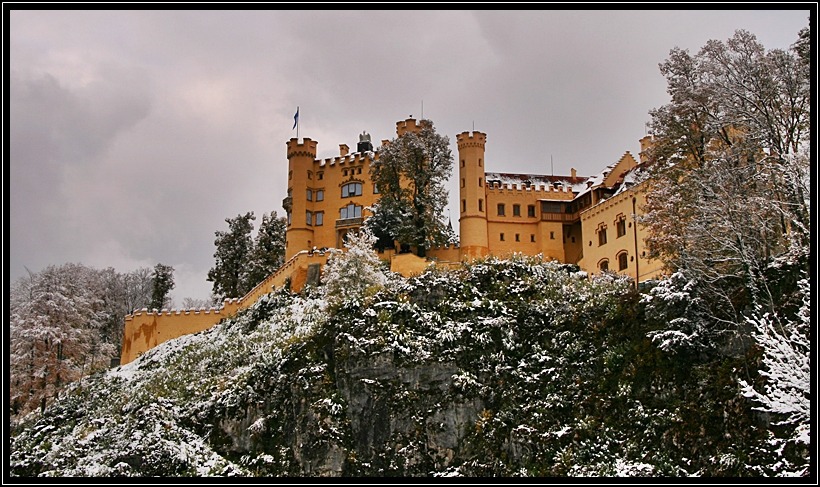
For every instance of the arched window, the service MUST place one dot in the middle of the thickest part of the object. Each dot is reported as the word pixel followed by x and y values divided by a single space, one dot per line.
pixel 623 261
pixel 603 265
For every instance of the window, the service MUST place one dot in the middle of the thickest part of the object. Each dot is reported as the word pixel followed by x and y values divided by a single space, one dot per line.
pixel 501 209
pixel 622 261
pixel 603 265
pixel 462 163
pixel 350 211
pixel 320 195
pixel 358 170
pixel 480 182
pixel 310 195
pixel 310 174
pixel 531 211
pixel 463 206
pixel 289 218
pixel 319 218
pixel 532 237
pixel 463 182
pixel 480 205
pixel 516 210
pixel 552 235
pixel 351 189
pixel 320 175
pixel 601 235
pixel 517 237
pixel 620 226
pixel 375 188
pixel 309 218
pixel 479 163
pixel 501 237
pixel 290 174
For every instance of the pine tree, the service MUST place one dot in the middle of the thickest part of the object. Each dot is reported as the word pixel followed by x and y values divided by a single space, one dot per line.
pixel 411 173
pixel 233 251
pixel 269 248
pixel 162 283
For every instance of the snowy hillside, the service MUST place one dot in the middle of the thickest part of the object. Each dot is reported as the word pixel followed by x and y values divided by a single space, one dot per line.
pixel 502 368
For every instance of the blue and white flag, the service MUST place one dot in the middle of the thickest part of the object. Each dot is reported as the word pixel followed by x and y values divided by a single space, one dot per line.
pixel 296 118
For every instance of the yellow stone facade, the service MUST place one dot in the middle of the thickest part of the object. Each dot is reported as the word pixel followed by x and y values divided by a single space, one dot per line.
pixel 588 221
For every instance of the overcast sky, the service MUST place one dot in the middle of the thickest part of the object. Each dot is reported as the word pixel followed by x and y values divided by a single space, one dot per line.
pixel 134 134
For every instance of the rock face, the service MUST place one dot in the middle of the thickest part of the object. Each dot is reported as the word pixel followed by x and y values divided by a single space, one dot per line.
pixel 376 418
pixel 405 418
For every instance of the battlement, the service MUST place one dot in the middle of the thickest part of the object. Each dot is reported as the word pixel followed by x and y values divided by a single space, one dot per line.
pixel 546 189
pixel 471 139
pixel 306 149
pixel 410 126
pixel 228 303
pixel 355 158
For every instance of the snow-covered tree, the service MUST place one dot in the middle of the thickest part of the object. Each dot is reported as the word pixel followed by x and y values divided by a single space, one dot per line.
pixel 55 324
pixel 786 390
pixel 729 180
pixel 411 174
pixel 163 282
pixel 268 249
pixel 233 251
pixel 350 273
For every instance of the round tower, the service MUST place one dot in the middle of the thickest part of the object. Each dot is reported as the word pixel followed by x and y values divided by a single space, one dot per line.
pixel 472 196
pixel 300 174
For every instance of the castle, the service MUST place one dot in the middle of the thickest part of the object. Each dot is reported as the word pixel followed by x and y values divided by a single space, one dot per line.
pixel 587 221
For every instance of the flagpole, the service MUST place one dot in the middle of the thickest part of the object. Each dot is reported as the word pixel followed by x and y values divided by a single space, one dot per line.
pixel 297 124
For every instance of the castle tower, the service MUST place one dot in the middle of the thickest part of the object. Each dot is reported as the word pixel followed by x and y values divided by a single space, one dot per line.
pixel 299 234
pixel 472 195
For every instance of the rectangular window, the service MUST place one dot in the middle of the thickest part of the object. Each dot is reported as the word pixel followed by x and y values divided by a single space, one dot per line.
pixel 532 237
pixel 501 209
pixel 552 235
pixel 516 210
pixel 463 182
pixel 320 175
pixel 320 195
pixel 501 237
pixel 480 182
pixel 375 188
pixel 310 195
pixel 517 237
pixel 531 211
pixel 480 205
pixel 463 206
pixel 309 218
pixel 620 227
pixel 601 236
pixel 319 218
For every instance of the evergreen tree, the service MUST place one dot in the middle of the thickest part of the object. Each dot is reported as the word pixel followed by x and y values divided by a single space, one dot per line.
pixel 269 248
pixel 162 283
pixel 233 251
pixel 411 173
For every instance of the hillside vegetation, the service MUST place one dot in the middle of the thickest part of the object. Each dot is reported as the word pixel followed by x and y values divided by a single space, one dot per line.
pixel 500 368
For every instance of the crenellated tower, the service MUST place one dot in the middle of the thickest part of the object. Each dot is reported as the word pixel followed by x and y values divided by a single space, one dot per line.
pixel 472 198
pixel 300 173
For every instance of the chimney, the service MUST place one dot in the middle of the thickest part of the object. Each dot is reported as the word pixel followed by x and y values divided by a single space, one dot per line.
pixel 574 174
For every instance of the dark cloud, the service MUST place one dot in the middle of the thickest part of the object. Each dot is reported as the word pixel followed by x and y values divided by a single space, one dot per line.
pixel 134 134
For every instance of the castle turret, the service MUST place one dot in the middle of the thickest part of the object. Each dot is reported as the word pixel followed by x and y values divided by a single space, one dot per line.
pixel 473 205
pixel 300 175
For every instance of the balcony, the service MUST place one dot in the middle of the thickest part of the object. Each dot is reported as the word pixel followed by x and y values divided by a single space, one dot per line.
pixel 349 222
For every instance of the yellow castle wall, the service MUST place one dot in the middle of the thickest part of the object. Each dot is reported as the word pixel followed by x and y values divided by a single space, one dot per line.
pixel 626 205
